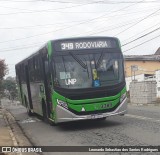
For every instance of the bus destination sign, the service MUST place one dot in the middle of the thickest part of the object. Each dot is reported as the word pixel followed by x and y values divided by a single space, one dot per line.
pixel 87 44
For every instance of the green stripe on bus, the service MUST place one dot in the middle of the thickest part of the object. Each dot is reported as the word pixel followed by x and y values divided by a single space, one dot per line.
pixel 49 49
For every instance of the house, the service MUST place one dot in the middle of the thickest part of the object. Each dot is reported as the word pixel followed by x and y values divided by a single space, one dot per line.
pixel 142 64
pixel 143 68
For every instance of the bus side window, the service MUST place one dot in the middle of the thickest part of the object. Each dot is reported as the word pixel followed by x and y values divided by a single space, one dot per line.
pixel 22 73
pixel 47 72
pixel 37 70
pixel 46 67
pixel 31 70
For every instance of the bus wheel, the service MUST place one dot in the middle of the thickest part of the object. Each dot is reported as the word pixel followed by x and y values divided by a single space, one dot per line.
pixel 28 109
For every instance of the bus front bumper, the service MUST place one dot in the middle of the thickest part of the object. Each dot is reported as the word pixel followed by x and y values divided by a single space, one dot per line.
pixel 63 115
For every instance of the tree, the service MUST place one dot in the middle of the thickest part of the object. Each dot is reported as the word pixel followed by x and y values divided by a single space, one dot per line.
pixel 3 69
pixel 10 88
pixel 3 72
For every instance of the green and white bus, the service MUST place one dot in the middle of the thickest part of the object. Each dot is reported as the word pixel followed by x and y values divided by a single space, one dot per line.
pixel 74 79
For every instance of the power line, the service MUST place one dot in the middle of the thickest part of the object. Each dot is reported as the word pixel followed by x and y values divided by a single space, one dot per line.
pixel 48 10
pixel 109 28
pixel 93 2
pixel 32 26
pixel 141 32
pixel 52 10
pixel 19 48
pixel 64 23
pixel 142 43
pixel 32 45
pixel 138 22
pixel 141 36
pixel 112 28
pixel 72 25
pixel 58 8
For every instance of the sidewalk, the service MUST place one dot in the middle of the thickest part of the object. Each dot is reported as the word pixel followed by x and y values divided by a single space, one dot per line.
pixel 10 133
pixel 5 133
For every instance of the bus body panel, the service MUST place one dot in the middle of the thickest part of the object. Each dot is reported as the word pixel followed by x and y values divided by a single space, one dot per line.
pixel 25 93
pixel 92 107
pixel 64 115
pixel 36 98
pixel 60 107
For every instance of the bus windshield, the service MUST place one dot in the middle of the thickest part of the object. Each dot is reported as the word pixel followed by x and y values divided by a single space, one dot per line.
pixel 77 71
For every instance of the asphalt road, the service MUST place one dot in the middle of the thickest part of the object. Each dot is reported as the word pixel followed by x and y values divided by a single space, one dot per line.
pixel 141 126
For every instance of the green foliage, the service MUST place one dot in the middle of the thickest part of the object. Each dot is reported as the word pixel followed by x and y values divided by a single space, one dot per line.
pixel 10 88
pixel 3 72
pixel 3 69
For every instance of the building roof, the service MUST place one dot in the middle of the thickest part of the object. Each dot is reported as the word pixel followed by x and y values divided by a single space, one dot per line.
pixel 142 57
pixel 157 52
pixel 154 57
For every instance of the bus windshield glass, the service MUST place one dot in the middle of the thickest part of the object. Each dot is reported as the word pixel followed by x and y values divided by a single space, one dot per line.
pixel 77 71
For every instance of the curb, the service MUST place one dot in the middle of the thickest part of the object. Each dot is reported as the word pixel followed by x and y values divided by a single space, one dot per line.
pixel 15 143
pixel 22 131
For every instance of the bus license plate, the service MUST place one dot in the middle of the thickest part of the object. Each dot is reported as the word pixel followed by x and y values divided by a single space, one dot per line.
pixel 95 116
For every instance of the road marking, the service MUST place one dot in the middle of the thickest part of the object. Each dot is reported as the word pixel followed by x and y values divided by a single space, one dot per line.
pixel 142 117
pixel 38 120
pixel 30 120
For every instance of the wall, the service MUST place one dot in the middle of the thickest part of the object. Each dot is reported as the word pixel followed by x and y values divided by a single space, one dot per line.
pixel 130 79
pixel 158 83
pixel 143 92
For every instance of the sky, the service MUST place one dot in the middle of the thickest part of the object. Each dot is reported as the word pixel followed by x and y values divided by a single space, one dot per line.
pixel 26 25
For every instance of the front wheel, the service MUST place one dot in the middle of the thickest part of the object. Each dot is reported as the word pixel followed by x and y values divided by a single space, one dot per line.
pixel 29 112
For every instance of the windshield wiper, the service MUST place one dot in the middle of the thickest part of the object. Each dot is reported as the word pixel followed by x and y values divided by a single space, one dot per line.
pixel 78 60
pixel 99 60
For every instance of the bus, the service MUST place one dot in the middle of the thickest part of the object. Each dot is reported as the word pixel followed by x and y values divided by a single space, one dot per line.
pixel 74 79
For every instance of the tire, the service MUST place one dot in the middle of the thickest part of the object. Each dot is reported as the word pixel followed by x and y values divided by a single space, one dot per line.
pixel 29 112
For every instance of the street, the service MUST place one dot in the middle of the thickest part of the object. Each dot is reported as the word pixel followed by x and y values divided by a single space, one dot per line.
pixel 141 126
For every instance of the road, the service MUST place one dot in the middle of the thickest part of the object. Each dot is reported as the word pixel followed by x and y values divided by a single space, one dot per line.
pixel 141 126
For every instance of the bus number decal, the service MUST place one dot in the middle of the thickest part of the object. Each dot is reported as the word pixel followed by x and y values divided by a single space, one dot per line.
pixel 67 46
pixel 65 75
pixel 70 81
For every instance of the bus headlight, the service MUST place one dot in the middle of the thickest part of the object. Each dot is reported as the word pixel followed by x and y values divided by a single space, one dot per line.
pixel 62 104
pixel 123 97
